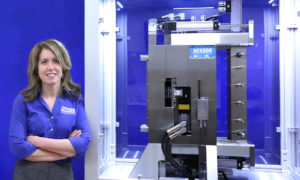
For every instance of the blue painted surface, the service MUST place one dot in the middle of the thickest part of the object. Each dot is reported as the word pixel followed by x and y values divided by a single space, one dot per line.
pixel 221 93
pixel 262 76
pixel 263 82
pixel 23 24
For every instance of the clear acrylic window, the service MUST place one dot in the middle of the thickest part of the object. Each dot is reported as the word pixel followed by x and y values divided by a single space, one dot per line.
pixel 262 74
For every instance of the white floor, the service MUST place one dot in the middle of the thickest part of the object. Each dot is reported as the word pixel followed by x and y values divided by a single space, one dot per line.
pixel 121 170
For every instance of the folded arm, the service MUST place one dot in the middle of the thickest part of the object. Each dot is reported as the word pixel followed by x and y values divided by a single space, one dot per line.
pixel 62 147
pixel 41 155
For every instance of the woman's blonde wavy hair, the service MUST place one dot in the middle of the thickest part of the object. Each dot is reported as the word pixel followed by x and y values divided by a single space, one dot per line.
pixel 32 90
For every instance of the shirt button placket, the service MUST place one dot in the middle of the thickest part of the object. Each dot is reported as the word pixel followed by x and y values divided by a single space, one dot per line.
pixel 51 117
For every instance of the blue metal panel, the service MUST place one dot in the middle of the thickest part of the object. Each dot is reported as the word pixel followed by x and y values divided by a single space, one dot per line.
pixel 23 24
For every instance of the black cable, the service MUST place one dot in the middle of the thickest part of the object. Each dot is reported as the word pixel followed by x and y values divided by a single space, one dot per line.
pixel 160 19
pixel 214 17
pixel 168 155
pixel 202 154
pixel 176 165
pixel 201 158
pixel 199 90
pixel 224 175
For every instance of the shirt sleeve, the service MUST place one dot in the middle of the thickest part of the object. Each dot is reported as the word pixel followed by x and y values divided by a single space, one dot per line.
pixel 19 147
pixel 81 143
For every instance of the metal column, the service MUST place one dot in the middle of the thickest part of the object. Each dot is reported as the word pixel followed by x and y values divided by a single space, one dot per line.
pixel 237 93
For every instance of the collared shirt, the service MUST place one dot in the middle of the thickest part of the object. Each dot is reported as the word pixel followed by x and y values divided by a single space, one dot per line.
pixel 35 118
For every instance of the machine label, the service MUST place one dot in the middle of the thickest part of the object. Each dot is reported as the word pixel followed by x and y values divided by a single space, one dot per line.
pixel 202 52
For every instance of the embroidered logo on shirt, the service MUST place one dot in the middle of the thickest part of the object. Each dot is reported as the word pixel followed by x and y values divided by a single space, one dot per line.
pixel 66 110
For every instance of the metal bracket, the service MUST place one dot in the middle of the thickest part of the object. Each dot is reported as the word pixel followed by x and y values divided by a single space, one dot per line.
pixel 239 84
pixel 237 67
pixel 245 44
pixel 239 120
pixel 238 103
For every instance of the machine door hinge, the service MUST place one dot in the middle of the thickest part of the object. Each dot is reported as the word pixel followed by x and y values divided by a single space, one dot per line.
pixel 144 57
pixel 144 128
pixel 117 124
pixel 119 38
pixel 278 129
pixel 293 130
pixel 101 20
pixel 286 171
pixel 284 156
pixel 108 125
pixel 100 136
pixel 290 26
pixel 104 32
pixel 290 130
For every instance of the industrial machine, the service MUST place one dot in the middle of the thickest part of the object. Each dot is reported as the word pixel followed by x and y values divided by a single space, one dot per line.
pixel 181 99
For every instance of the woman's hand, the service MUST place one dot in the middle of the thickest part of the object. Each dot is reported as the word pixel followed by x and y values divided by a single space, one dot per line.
pixel 75 133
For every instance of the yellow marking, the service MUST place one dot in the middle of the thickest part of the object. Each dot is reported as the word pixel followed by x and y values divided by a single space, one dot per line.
pixel 183 107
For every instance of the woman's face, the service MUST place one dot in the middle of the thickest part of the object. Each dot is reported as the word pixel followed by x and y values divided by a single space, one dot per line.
pixel 49 68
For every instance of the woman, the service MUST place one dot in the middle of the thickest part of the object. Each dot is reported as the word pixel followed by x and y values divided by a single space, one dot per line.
pixel 48 125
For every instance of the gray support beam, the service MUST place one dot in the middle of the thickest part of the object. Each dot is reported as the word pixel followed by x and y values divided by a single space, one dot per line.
pixel 236 14
pixel 289 18
pixel 100 85
pixel 167 38
pixel 152 27
pixel 93 93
